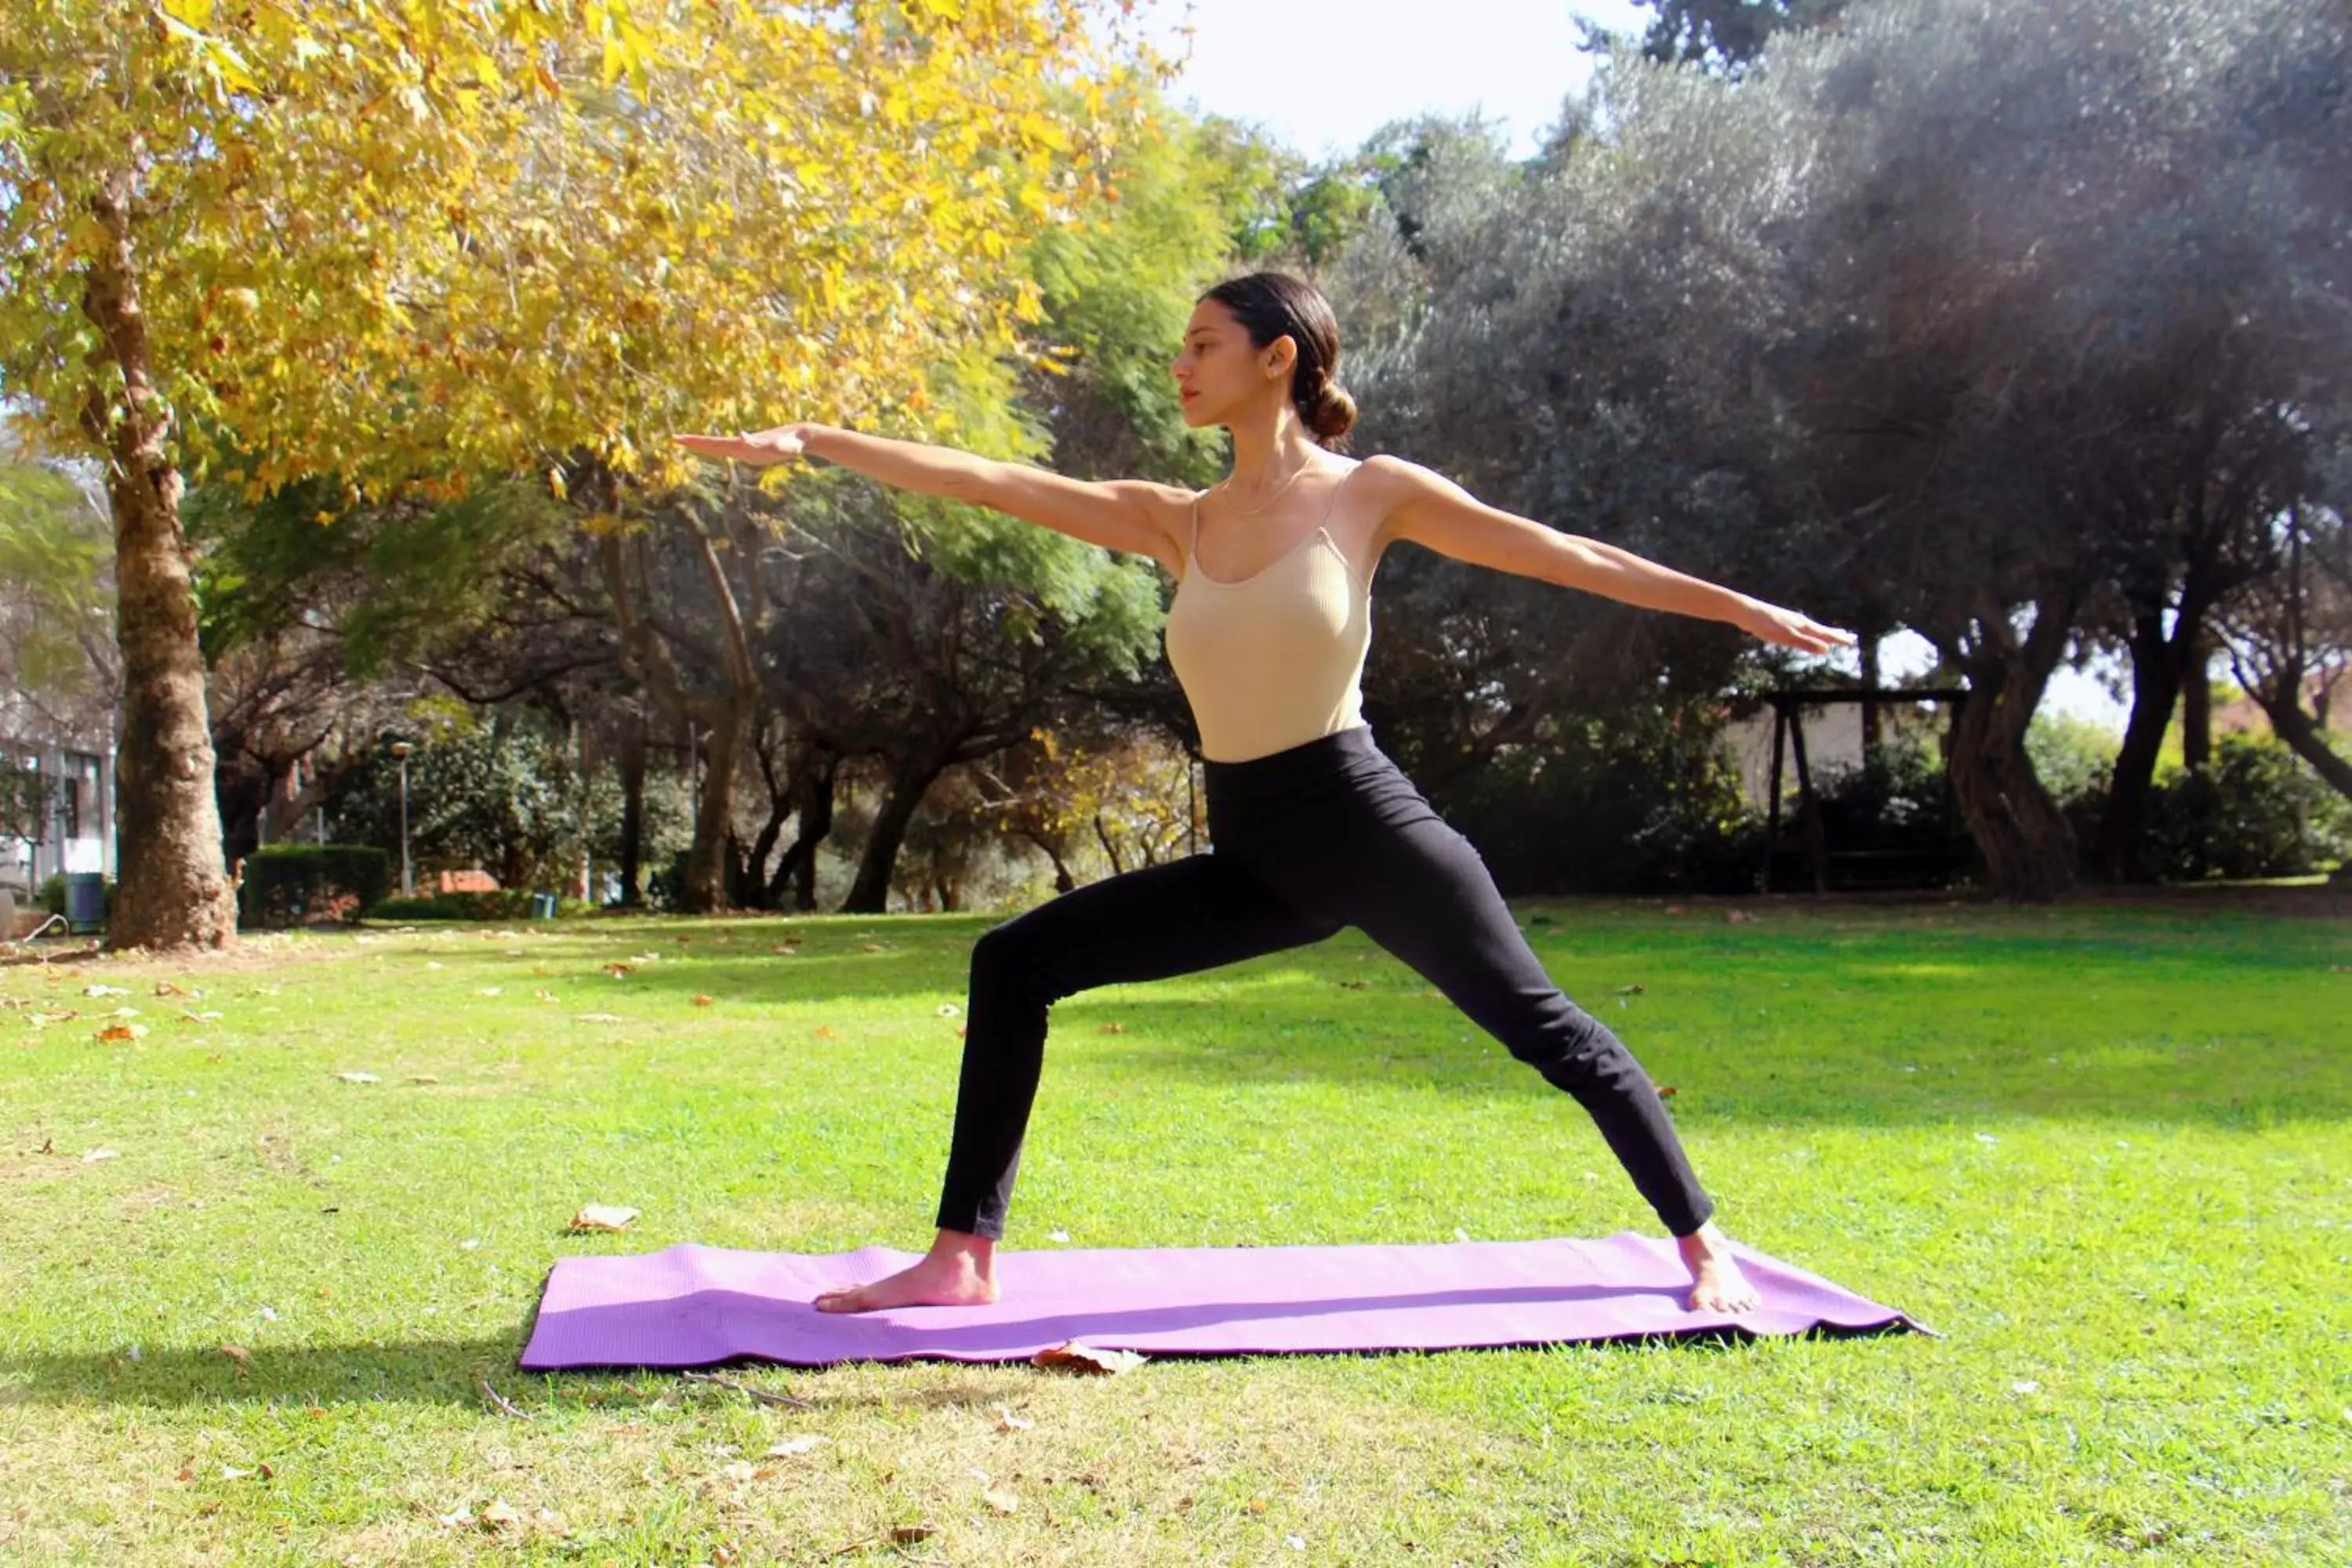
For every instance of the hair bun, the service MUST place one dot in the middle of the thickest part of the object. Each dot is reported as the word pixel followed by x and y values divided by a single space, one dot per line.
pixel 1331 414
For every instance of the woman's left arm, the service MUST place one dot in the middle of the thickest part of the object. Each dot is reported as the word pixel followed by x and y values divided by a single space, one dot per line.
pixel 1431 510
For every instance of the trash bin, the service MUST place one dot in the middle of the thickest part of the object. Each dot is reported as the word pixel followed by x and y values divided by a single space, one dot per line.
pixel 542 905
pixel 85 900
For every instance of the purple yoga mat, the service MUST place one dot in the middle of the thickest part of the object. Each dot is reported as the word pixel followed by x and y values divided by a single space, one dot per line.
pixel 693 1306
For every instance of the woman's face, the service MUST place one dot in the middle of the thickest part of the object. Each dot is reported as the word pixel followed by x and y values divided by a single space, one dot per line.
pixel 1220 371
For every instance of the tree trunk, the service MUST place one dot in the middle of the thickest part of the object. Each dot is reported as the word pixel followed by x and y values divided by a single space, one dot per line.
pixel 2283 706
pixel 2029 849
pixel 633 811
pixel 1873 725
pixel 171 888
pixel 705 889
pixel 798 868
pixel 910 779
pixel 2196 702
pixel 2158 665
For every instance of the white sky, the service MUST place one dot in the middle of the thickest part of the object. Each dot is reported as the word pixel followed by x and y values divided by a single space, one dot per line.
pixel 1320 76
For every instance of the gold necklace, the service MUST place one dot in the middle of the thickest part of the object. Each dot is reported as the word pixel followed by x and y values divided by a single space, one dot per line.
pixel 1270 499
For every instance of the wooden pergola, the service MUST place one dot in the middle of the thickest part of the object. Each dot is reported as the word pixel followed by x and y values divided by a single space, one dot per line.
pixel 1787 719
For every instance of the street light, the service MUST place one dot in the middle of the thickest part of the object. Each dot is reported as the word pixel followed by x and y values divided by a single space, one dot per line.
pixel 400 749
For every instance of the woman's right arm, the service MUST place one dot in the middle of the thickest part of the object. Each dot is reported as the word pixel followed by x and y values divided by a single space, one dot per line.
pixel 1131 515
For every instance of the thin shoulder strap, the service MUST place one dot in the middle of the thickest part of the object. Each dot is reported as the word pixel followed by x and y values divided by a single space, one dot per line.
pixel 1194 546
pixel 1334 498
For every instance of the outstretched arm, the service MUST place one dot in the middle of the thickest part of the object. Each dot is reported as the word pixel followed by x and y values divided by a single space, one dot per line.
pixel 1119 514
pixel 1432 511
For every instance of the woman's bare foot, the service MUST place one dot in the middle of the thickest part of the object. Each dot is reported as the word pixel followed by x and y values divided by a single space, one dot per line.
pixel 1716 1283
pixel 959 1271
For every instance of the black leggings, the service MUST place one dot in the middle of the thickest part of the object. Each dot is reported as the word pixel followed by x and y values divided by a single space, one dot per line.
pixel 1306 841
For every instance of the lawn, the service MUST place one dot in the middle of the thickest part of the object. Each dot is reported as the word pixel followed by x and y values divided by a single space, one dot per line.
pixel 2106 1152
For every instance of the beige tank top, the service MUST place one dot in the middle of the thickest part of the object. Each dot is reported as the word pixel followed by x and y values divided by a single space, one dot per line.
pixel 1277 658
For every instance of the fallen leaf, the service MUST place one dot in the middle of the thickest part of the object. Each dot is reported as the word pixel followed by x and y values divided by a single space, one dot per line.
pixel 602 1018
pixel 166 988
pixel 544 996
pixel 1114 1028
pixel 1008 1422
pixel 239 1354
pixel 123 1032
pixel 907 1534
pixel 825 1032
pixel 500 1516
pixel 1000 1500
pixel 1072 1356
pixel 1629 990
pixel 1665 1092
pixel 1738 917
pixel 869 947
pixel 701 1001
pixel 617 971
pixel 422 1078
pixel 603 1217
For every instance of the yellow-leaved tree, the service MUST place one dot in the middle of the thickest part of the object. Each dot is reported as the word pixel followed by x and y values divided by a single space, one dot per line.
pixel 405 243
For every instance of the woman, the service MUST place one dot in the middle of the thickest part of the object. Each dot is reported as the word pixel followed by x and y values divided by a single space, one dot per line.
pixel 1313 830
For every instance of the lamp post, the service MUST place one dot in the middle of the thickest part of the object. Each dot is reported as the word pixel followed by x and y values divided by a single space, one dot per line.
pixel 400 749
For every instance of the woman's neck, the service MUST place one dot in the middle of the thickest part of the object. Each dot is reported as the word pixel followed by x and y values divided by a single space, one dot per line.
pixel 1264 455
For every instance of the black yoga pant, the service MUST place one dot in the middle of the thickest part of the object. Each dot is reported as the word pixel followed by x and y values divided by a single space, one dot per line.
pixel 1306 841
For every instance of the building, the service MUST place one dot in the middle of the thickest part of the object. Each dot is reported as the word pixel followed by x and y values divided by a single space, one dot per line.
pixel 70 827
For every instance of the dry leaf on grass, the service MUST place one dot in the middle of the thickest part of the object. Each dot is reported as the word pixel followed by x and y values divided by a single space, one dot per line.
pixel 422 1078
pixel 601 1216
pixel 825 1032
pixel 123 1032
pixel 1114 1028
pixel 702 1001
pixel 166 988
pixel 1072 1356
pixel 1667 1091
pixel 1000 1500
pixel 239 1354
pixel 1633 989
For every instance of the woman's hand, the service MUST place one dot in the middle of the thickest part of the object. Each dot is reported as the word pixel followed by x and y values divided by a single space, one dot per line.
pixel 758 448
pixel 1789 629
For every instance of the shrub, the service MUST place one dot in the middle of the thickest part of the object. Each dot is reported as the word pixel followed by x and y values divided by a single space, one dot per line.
pixel 507 904
pixel 2255 810
pixel 288 883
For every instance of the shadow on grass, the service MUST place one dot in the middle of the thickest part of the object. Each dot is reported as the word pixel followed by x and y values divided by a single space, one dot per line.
pixel 295 1380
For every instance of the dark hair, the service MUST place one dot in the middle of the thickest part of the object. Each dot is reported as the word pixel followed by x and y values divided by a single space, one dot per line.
pixel 1270 305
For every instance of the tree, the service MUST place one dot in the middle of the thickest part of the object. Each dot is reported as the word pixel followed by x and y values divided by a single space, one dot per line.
pixel 533 255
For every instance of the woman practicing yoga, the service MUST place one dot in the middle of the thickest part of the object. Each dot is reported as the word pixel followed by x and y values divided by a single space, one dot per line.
pixel 1312 829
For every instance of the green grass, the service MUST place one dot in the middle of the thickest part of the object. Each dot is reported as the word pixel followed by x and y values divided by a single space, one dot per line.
pixel 2106 1152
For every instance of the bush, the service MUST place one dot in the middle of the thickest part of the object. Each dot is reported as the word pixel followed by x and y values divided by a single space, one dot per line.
pixel 286 884
pixel 507 904
pixel 2256 810
pixel 1637 804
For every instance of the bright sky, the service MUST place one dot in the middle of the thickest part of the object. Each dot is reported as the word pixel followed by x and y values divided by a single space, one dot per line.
pixel 1320 76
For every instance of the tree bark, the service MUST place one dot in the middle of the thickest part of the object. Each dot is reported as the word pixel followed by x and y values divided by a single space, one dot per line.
pixel 2196 702
pixel 633 810
pixel 910 779
pixel 798 867
pixel 2028 849
pixel 2157 666
pixel 171 888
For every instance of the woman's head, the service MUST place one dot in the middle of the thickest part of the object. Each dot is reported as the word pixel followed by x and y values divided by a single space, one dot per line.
pixel 1265 337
